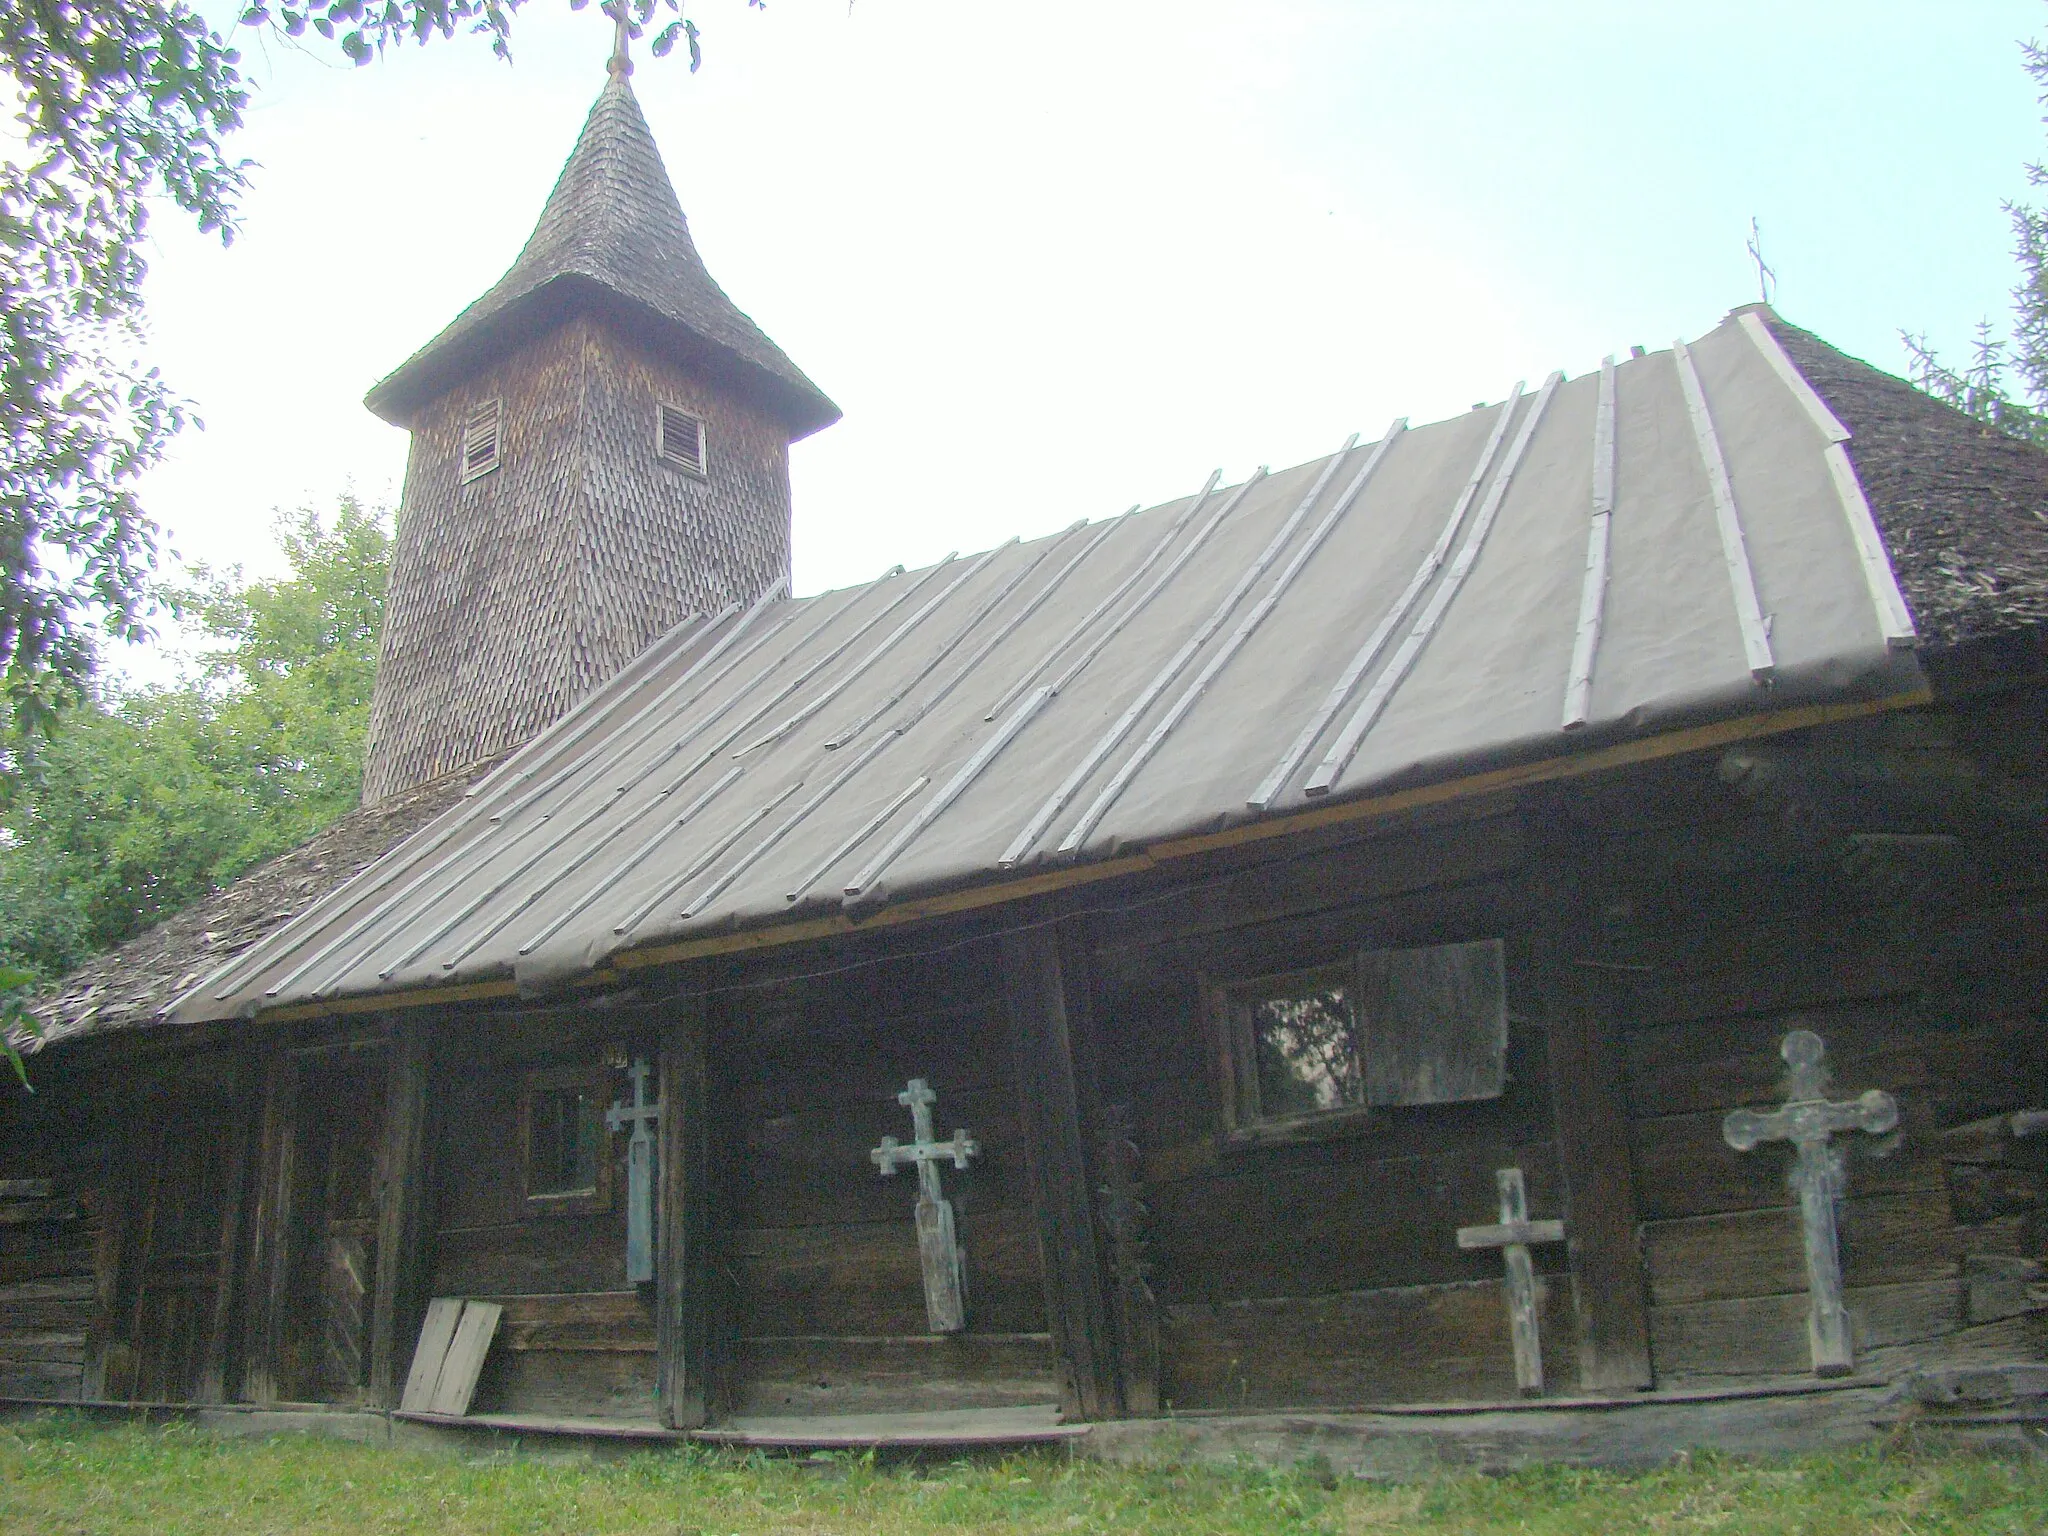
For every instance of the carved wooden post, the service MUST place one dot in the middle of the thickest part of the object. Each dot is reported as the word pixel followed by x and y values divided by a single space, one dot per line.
pixel 1039 997
pixel 403 1206
pixel 686 1300
pixel 1124 1224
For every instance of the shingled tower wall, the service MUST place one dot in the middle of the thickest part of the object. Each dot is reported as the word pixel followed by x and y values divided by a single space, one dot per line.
pixel 516 593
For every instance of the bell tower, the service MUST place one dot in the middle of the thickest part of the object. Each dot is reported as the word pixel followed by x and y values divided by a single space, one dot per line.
pixel 600 447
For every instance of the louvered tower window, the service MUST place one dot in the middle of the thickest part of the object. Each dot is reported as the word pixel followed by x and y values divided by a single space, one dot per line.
pixel 681 439
pixel 481 439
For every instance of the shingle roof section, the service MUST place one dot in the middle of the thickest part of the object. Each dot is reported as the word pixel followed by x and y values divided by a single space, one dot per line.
pixel 612 231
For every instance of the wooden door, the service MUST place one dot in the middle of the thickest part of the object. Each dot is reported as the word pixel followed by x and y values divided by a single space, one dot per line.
pixel 331 1255
pixel 182 1223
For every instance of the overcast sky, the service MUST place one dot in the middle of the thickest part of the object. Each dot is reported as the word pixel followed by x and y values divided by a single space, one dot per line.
pixel 1053 259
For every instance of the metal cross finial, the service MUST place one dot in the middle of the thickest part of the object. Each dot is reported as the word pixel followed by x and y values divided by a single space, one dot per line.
pixel 621 62
pixel 1819 1177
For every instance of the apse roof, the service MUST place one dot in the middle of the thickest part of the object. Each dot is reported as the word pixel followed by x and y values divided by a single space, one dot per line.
pixel 612 233
pixel 1607 564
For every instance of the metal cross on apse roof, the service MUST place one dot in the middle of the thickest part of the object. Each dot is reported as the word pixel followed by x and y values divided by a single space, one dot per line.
pixel 1819 1178
pixel 938 1244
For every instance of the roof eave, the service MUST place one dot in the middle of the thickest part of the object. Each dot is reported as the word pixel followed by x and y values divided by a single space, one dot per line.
pixel 469 344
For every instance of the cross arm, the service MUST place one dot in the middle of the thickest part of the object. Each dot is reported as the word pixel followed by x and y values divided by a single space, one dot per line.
pixel 1503 1234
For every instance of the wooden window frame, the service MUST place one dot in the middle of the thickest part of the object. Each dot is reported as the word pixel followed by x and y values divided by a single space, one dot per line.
pixel 700 470
pixel 1227 1005
pixel 597 1080
pixel 472 421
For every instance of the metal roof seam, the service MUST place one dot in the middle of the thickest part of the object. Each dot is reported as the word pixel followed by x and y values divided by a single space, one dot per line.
pixel 712 855
pixel 1163 678
pixel 789 824
pixel 968 772
pixel 1275 781
pixel 1894 618
pixel 1827 421
pixel 1211 669
pixel 845 734
pixel 572 727
pixel 1339 757
pixel 632 861
pixel 653 710
pixel 1115 596
pixel 861 834
pixel 1749 614
pixel 1578 691
pixel 1010 625
pixel 895 637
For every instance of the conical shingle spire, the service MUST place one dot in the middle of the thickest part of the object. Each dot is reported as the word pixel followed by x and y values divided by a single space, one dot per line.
pixel 612 237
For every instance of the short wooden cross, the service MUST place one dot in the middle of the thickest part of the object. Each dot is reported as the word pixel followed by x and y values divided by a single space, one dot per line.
pixel 1819 1178
pixel 938 1242
pixel 1514 1235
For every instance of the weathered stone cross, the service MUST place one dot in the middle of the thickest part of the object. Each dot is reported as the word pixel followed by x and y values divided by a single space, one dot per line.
pixel 642 1117
pixel 1514 1235
pixel 938 1244
pixel 1819 1178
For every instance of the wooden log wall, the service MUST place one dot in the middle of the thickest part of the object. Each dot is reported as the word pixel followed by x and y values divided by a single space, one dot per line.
pixel 52 1227
pixel 829 1315
pixel 1327 1272
pixel 575 1341
pixel 1885 886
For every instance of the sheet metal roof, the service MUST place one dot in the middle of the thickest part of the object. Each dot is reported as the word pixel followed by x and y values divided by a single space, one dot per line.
pixel 1682 533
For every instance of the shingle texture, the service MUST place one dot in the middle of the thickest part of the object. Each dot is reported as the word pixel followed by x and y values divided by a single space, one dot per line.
pixel 514 595
pixel 131 984
pixel 1964 509
pixel 612 235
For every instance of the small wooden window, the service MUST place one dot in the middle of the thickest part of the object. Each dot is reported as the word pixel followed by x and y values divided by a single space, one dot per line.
pixel 681 437
pixel 564 1147
pixel 481 439
pixel 1307 1050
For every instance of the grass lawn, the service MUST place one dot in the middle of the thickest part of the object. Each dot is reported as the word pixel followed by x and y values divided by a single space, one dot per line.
pixel 62 1475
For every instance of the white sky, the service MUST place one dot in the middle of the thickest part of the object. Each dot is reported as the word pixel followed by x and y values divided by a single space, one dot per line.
pixel 1055 258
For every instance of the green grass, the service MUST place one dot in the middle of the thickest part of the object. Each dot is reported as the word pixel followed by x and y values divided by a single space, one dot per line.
pixel 66 1475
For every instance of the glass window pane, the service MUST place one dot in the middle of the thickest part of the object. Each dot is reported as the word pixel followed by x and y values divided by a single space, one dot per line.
pixel 1306 1041
pixel 563 1149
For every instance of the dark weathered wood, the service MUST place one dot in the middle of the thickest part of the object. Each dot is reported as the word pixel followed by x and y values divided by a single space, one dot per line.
pixel 580 1384
pixel 864 1279
pixel 1584 1009
pixel 686 1292
pixel 1441 1343
pixel 1767 1335
pixel 1126 1226
pixel 543 1253
pixel 931 1372
pixel 216 1366
pixel 268 1303
pixel 1886 1240
pixel 405 1173
pixel 604 1322
pixel 1042 998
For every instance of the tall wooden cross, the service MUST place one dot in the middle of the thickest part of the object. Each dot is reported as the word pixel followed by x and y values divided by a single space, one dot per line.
pixel 938 1243
pixel 641 1117
pixel 1819 1178
pixel 1514 1235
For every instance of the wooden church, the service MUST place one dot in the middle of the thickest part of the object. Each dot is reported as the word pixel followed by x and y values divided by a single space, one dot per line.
pixel 1523 937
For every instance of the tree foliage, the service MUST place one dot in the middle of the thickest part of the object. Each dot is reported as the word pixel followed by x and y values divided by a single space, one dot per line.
pixel 2005 382
pixel 147 798
pixel 122 103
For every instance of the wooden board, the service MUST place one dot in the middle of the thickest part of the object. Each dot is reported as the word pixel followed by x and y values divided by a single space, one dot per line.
pixel 428 1356
pixel 918 1371
pixel 1886 1239
pixel 465 1362
pixel 986 1426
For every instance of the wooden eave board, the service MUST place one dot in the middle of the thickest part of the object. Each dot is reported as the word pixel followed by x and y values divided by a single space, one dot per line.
pixel 465 1361
pixel 972 1426
pixel 437 1332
